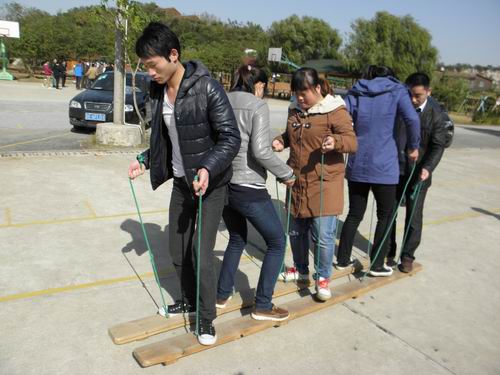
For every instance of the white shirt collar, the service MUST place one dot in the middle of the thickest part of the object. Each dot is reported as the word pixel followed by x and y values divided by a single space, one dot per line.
pixel 423 106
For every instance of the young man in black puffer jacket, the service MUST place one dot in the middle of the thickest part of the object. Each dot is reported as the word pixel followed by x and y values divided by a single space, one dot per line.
pixel 193 133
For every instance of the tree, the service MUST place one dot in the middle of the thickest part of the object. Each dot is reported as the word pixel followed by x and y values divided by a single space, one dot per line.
pixel 127 15
pixel 305 38
pixel 397 42
pixel 220 46
pixel 450 91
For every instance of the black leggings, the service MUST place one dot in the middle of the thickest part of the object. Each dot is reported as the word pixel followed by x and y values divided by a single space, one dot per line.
pixel 358 196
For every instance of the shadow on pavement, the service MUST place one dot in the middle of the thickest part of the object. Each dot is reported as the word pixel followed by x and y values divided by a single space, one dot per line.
pixel 159 242
pixel 486 212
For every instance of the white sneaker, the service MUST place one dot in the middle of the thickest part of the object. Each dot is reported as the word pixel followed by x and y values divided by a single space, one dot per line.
pixel 323 289
pixel 207 335
pixel 221 303
pixel 290 274
pixel 383 271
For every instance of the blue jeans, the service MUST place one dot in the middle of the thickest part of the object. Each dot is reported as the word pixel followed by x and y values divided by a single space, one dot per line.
pixel 262 215
pixel 299 240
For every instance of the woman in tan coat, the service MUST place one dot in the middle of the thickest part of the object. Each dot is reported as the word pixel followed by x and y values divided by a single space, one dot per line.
pixel 316 124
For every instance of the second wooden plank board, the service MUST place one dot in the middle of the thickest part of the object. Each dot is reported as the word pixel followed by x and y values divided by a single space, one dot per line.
pixel 170 350
pixel 140 329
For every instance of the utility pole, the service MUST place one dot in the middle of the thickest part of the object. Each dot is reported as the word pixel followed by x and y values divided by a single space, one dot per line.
pixel 119 72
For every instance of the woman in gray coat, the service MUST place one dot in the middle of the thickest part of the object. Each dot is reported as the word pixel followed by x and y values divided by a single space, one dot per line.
pixel 248 196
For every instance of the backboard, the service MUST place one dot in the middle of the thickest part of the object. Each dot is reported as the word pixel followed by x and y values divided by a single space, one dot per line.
pixel 274 54
pixel 9 29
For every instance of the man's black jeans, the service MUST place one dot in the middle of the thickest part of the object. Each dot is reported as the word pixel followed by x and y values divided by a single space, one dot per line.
pixel 358 198
pixel 183 242
pixel 415 231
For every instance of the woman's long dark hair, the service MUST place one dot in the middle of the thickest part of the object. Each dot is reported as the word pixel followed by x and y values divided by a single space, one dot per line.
pixel 246 77
pixel 374 71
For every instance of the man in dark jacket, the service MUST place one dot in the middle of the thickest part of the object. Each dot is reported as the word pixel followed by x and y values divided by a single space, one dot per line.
pixel 432 144
pixel 193 134
pixel 57 70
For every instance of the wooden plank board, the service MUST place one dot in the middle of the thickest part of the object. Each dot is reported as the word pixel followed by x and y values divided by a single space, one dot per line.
pixel 170 350
pixel 152 325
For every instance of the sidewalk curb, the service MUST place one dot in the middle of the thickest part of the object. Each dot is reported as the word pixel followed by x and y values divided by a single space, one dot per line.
pixel 30 154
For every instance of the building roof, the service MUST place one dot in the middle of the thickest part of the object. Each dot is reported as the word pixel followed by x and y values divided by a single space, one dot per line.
pixel 328 66
pixel 172 12
pixel 465 75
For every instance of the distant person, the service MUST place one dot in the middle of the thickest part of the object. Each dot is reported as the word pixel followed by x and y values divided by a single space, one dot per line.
pixel 47 72
pixel 193 133
pixel 374 103
pixel 248 196
pixel 432 144
pixel 57 68
pixel 91 75
pixel 85 66
pixel 110 68
pixel 100 66
pixel 316 125
pixel 64 73
pixel 78 72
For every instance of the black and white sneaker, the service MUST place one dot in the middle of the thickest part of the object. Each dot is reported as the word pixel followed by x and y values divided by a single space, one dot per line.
pixel 383 271
pixel 177 308
pixel 341 266
pixel 206 334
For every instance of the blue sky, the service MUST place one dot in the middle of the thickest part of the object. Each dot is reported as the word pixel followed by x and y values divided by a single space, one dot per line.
pixel 464 31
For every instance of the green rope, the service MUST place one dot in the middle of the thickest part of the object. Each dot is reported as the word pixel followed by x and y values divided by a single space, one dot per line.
pixel 393 219
pixel 198 247
pixel 319 221
pixel 337 216
pixel 287 229
pixel 151 257
pixel 414 198
pixel 280 210
pixel 278 195
pixel 370 233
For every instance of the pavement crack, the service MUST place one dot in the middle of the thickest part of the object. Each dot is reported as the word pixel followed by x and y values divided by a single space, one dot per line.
pixel 392 334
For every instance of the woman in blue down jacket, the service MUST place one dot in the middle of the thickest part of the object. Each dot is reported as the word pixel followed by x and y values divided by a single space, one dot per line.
pixel 374 103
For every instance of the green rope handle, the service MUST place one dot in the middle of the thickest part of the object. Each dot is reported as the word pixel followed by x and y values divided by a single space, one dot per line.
pixel 287 230
pixel 414 197
pixel 141 159
pixel 288 197
pixel 370 232
pixel 320 215
pixel 393 219
pixel 198 247
pixel 151 257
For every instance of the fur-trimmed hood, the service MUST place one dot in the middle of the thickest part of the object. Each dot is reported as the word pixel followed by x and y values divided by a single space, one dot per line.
pixel 328 104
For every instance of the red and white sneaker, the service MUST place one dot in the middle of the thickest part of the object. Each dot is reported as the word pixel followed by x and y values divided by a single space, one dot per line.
pixel 290 274
pixel 323 289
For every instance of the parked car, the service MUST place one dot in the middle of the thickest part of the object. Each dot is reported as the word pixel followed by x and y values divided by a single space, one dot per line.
pixel 95 104
pixel 449 126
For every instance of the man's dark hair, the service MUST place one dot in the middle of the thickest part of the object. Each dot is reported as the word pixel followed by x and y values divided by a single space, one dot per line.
pixel 157 40
pixel 374 71
pixel 304 79
pixel 418 79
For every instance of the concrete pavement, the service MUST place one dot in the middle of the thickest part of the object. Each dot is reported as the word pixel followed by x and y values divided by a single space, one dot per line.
pixel 71 247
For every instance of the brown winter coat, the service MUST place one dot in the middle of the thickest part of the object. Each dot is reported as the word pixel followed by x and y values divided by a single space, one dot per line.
pixel 304 135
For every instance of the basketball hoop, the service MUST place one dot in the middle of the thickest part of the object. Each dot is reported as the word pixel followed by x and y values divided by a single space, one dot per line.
pixel 9 29
pixel 274 54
